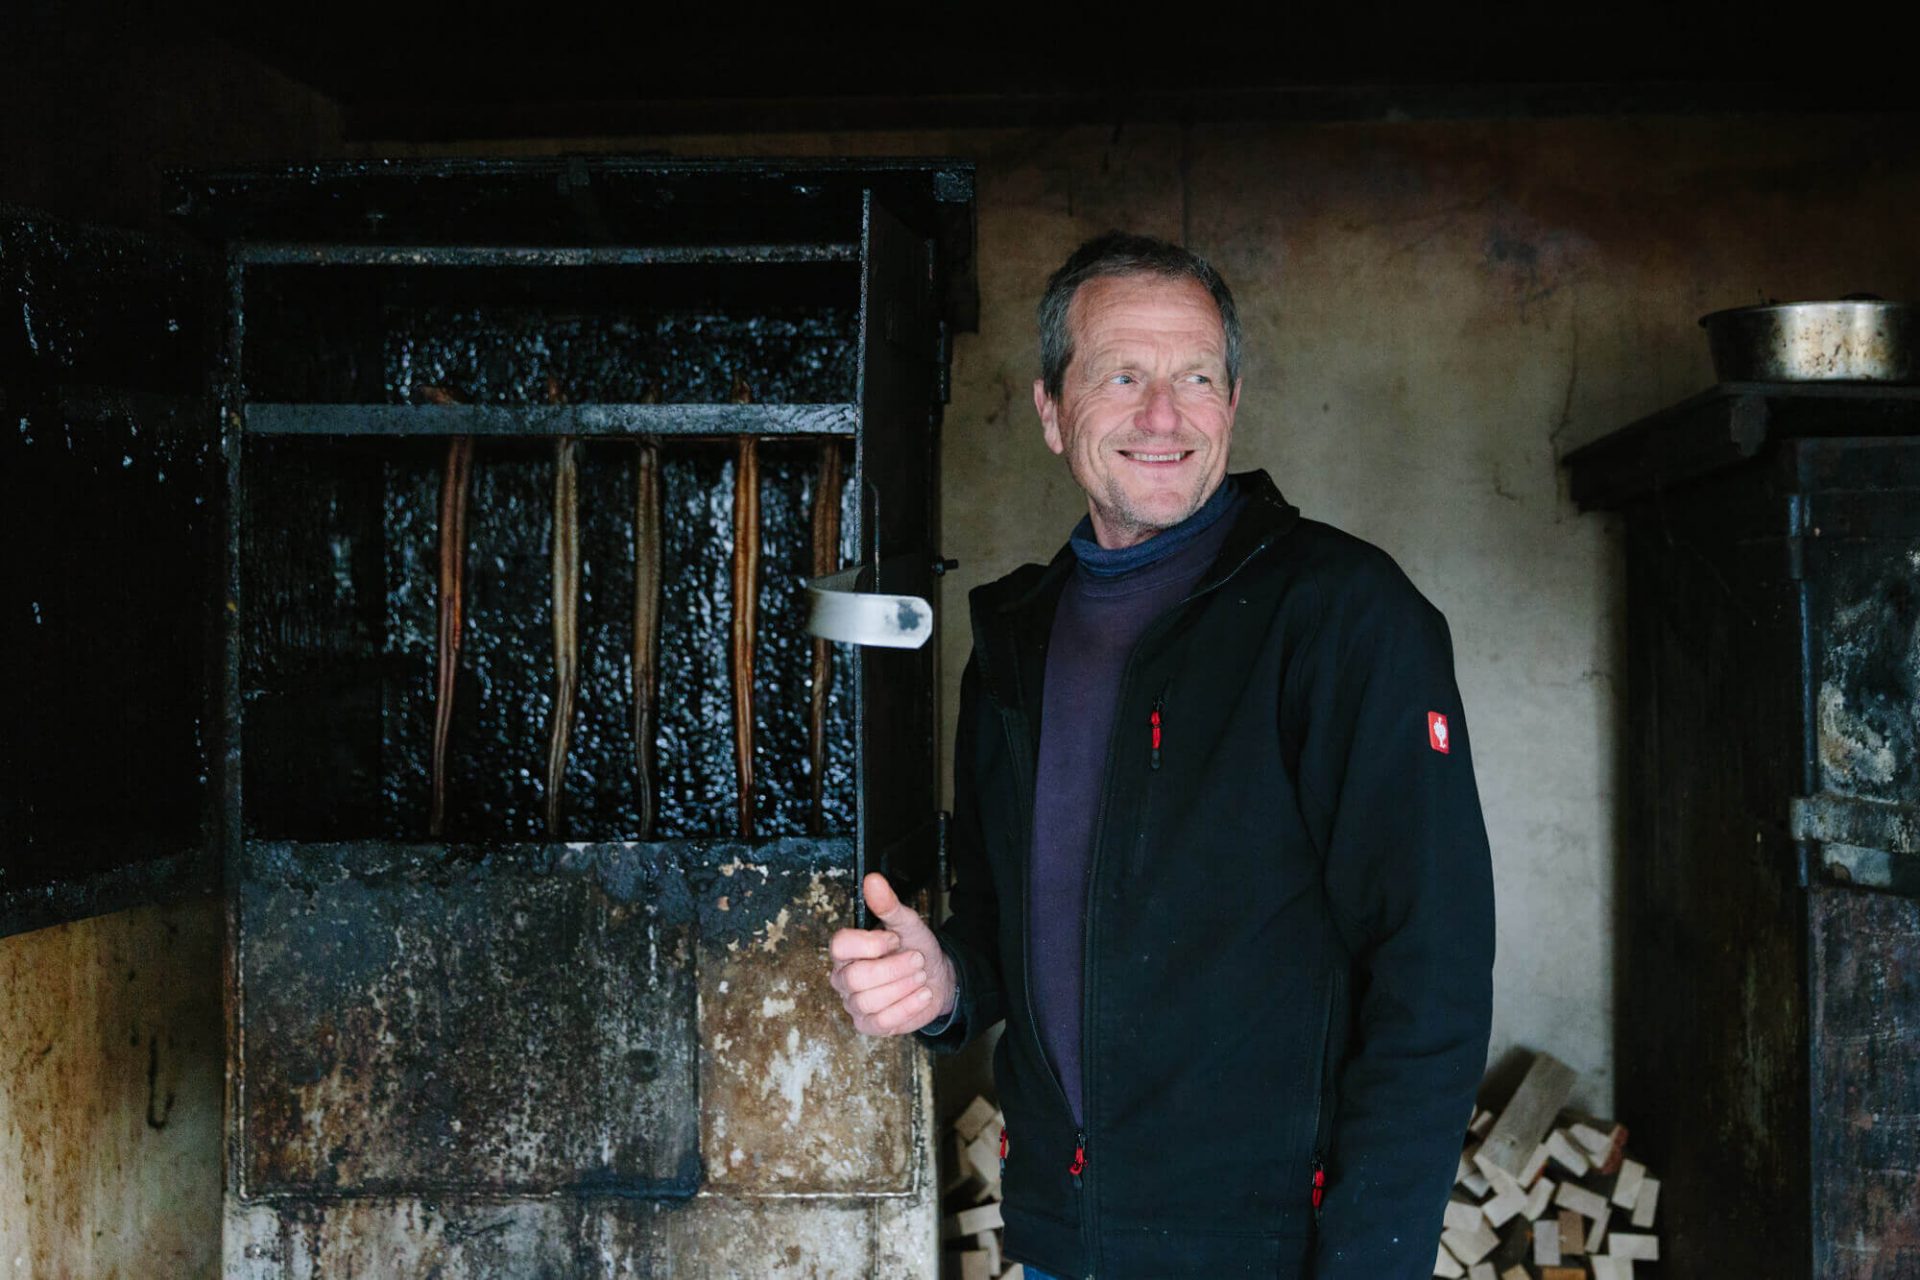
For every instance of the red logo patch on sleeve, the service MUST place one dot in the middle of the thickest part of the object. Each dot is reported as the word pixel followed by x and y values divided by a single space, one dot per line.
pixel 1437 733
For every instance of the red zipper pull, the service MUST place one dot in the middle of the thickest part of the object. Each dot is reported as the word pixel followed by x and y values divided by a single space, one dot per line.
pixel 1079 1165
pixel 1153 719
pixel 1319 1182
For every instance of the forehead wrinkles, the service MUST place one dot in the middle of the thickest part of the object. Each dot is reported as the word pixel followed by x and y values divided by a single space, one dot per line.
pixel 1116 322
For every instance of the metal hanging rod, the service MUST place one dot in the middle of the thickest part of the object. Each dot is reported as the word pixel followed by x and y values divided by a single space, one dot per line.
pixel 283 254
pixel 306 419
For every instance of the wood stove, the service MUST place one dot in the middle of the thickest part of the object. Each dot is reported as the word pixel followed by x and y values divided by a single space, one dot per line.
pixel 1768 1016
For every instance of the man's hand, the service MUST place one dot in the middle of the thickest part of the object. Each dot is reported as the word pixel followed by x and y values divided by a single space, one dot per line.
pixel 895 979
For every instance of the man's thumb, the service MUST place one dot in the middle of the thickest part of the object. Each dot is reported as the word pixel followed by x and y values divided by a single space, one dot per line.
pixel 885 903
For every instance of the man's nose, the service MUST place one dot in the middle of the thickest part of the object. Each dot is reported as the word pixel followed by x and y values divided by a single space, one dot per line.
pixel 1158 413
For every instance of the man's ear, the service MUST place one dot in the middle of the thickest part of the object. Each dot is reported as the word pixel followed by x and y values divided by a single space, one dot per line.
pixel 1049 410
pixel 1233 401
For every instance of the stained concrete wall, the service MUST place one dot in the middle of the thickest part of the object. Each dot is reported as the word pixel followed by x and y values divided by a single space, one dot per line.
pixel 1436 312
pixel 110 1096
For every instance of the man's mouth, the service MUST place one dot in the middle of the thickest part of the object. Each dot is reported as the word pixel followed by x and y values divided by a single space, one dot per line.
pixel 1140 455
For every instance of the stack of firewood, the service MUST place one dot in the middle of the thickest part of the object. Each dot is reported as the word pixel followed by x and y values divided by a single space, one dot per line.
pixel 1544 1194
pixel 970 1197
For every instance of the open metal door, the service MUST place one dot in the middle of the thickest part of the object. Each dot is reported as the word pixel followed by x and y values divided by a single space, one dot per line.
pixel 110 503
pixel 899 439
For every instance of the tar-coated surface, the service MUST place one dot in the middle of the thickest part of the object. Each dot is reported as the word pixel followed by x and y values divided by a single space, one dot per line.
pixel 108 517
pixel 339 579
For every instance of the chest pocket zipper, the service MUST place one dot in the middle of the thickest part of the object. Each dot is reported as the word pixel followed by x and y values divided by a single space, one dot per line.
pixel 1156 741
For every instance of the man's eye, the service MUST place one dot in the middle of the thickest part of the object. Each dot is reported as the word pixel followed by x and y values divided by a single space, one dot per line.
pixel 1199 377
pixel 1122 377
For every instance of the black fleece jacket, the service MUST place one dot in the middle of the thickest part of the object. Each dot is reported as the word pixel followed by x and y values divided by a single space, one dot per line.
pixel 1289 922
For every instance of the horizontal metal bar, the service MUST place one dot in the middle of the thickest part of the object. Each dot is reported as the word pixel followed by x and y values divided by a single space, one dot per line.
pixel 275 253
pixel 320 861
pixel 279 419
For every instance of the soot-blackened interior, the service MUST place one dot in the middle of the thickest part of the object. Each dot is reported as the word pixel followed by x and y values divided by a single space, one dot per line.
pixel 340 581
pixel 601 334
pixel 340 552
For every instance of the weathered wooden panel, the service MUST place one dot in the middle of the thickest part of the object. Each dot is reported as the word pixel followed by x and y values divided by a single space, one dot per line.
pixel 792 1099
pixel 420 1019
pixel 1866 1084
pixel 1712 960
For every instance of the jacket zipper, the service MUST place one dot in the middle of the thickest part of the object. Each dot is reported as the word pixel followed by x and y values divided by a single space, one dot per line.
pixel 1079 1168
pixel 1319 1099
pixel 1154 726
pixel 1089 1239
pixel 1024 772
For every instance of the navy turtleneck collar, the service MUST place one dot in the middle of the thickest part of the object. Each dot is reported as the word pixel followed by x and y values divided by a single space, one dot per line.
pixel 1104 562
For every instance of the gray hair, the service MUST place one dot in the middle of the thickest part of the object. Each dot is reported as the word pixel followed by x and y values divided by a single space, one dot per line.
pixel 1119 254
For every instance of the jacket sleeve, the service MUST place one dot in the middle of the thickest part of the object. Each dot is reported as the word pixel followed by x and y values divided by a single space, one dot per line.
pixel 970 934
pixel 1386 781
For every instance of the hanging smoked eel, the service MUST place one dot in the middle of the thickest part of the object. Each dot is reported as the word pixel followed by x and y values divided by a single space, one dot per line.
pixel 455 485
pixel 566 610
pixel 646 615
pixel 746 602
pixel 826 559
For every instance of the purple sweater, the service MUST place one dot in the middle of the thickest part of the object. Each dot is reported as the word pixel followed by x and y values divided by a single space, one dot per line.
pixel 1111 599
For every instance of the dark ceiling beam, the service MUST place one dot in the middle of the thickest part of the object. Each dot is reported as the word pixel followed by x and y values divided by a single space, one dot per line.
pixel 452 121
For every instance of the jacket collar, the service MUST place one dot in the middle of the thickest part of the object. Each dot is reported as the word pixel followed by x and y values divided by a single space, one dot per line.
pixel 1265 516
pixel 1013 617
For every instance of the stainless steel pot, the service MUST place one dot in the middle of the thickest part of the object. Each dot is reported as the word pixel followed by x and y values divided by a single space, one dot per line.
pixel 1854 340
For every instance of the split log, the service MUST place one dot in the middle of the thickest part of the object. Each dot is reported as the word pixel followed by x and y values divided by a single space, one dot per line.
pixel 1546 1243
pixel 1573 1236
pixel 1562 1151
pixel 1581 1201
pixel 974 1119
pixel 1527 1117
pixel 1649 1201
pixel 1626 1187
pixel 1470 1246
pixel 1640 1248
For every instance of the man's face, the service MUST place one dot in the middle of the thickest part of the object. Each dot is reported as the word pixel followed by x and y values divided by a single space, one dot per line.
pixel 1145 413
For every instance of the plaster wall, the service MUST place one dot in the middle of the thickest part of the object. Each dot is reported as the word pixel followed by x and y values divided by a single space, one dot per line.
pixel 1435 313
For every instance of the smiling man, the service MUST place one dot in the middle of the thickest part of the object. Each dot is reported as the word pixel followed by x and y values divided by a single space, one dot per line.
pixel 1218 854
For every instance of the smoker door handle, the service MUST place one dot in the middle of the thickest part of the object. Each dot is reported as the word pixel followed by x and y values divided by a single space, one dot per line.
pixel 844 606
pixel 1860 842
